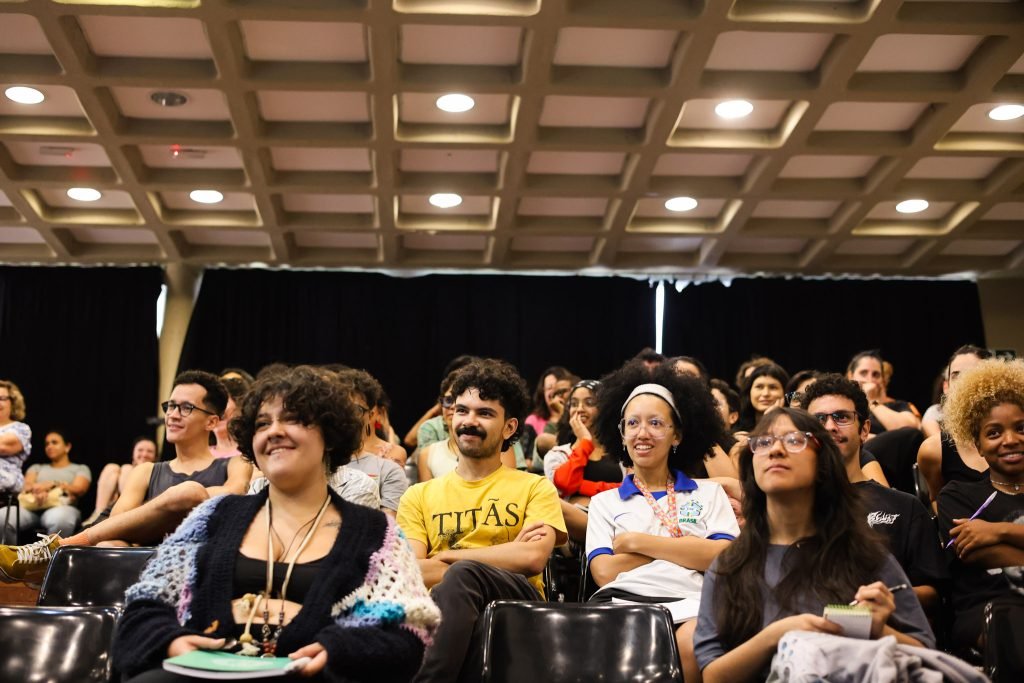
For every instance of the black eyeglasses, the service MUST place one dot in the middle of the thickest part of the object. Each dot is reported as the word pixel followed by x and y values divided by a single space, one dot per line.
pixel 794 442
pixel 184 409
pixel 447 401
pixel 842 418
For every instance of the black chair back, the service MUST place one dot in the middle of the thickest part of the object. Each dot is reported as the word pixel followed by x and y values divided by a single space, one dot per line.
pixel 528 642
pixel 57 644
pixel 81 576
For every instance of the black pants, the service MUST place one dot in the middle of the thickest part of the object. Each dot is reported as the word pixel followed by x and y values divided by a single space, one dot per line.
pixel 467 588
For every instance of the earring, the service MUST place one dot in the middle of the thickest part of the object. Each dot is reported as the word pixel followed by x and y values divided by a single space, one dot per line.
pixel 674 447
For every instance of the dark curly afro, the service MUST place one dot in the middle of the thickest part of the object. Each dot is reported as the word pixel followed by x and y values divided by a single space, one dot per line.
pixel 315 398
pixel 701 426
pixel 496 380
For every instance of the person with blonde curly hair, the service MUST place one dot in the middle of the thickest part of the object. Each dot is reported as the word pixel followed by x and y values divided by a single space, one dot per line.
pixel 15 437
pixel 986 408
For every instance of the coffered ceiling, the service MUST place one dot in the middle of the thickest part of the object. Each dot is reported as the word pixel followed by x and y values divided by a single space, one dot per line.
pixel 317 122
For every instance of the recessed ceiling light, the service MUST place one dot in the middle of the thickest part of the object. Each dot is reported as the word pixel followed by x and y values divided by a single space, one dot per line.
pixel 206 196
pixel 734 109
pixel 445 200
pixel 24 95
pixel 1007 112
pixel 455 103
pixel 168 98
pixel 912 206
pixel 681 204
pixel 84 194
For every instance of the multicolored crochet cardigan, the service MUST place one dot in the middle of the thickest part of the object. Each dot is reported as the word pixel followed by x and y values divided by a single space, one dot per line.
pixel 368 606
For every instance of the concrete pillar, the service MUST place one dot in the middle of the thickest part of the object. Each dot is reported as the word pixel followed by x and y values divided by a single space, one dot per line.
pixel 183 283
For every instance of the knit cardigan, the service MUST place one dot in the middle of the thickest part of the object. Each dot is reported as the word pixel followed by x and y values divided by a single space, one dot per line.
pixel 367 606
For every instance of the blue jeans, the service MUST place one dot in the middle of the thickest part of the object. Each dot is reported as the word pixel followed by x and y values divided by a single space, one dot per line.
pixel 62 519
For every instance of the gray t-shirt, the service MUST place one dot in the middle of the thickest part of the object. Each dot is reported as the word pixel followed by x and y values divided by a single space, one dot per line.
pixel 390 478
pixel 908 617
pixel 64 475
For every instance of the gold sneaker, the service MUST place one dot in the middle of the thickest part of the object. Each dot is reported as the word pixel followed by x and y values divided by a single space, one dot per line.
pixel 27 563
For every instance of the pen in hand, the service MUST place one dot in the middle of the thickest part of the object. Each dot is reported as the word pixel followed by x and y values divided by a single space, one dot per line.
pixel 891 589
pixel 976 513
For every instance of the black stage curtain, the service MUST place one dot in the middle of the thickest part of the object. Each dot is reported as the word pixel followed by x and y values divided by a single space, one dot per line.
pixel 821 324
pixel 81 345
pixel 404 331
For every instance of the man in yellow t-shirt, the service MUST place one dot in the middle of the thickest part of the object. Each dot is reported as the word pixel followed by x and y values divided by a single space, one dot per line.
pixel 482 532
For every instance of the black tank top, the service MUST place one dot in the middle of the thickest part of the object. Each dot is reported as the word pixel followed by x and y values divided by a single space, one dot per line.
pixel 605 469
pixel 251 577
pixel 953 466
pixel 163 477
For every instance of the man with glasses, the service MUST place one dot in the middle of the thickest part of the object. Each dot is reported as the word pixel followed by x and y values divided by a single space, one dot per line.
pixel 842 407
pixel 158 495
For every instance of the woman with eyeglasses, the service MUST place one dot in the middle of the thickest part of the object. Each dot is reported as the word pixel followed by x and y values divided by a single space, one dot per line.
pixel 440 457
pixel 292 571
pixel 805 544
pixel 579 466
pixel 651 539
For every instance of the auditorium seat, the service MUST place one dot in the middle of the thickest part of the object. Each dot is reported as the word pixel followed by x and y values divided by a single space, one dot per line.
pixel 528 642
pixel 57 644
pixel 82 576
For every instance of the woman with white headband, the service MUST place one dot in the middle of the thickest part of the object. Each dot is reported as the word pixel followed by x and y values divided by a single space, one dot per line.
pixel 651 539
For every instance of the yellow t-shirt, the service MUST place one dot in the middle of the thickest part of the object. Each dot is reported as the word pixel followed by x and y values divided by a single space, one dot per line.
pixel 449 513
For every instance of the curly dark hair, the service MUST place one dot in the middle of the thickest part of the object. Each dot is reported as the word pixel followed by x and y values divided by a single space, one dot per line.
pixel 701 426
pixel 843 553
pixel 496 380
pixel 315 399
pixel 834 384
pixel 366 385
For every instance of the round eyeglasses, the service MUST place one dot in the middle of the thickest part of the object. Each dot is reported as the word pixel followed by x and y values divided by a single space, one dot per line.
pixel 793 442
pixel 655 426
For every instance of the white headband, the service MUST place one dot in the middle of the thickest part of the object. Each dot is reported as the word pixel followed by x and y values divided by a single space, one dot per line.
pixel 654 390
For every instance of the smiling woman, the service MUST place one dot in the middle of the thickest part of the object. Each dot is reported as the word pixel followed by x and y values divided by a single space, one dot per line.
pixel 274 570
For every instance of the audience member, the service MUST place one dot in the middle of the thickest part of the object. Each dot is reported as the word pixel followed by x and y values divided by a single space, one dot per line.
pixel 579 466
pixel 727 401
pixel 158 495
pixel 688 365
pixel 373 393
pixel 365 614
pixel 441 457
pixel 482 532
pixel 649 357
pixel 651 539
pixel 865 368
pixel 390 477
pixel 764 388
pixel 430 428
pixel 542 397
pixel 548 437
pixel 805 544
pixel 114 478
pixel 842 408
pixel 222 445
pixel 939 458
pixel 796 385
pixel 747 367
pixel 51 490
pixel 15 437
pixel 985 406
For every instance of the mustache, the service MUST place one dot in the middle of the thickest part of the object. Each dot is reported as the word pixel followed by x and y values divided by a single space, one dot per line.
pixel 471 431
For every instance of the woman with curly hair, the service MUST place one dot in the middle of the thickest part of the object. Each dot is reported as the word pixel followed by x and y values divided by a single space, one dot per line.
pixel 764 388
pixel 651 539
pixel 805 544
pixel 984 407
pixel 293 570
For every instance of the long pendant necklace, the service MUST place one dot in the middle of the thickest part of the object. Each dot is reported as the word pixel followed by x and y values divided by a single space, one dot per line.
pixel 666 518
pixel 268 645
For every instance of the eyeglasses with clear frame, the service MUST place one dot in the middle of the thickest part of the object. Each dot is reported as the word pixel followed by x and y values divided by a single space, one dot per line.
pixel 842 418
pixel 184 409
pixel 656 427
pixel 793 442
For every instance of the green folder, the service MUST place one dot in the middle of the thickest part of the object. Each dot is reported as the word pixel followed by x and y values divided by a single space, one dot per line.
pixel 225 666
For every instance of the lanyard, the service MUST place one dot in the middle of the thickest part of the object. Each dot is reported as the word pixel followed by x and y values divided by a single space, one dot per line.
pixel 666 518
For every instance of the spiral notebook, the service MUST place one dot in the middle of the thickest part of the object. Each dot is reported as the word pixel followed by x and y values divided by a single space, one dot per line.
pixel 855 620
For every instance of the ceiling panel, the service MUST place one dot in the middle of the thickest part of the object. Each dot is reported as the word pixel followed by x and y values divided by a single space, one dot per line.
pixel 318 122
